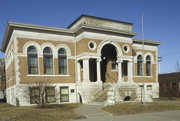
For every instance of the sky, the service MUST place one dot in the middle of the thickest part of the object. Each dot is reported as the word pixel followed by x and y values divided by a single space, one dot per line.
pixel 161 19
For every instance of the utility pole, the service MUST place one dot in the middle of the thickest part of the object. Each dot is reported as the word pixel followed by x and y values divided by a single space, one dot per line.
pixel 143 96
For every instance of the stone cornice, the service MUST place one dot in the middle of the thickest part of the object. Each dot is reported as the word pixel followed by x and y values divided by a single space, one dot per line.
pixel 11 26
pixel 146 41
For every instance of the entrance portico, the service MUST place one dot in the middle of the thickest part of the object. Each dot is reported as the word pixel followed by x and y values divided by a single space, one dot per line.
pixel 98 67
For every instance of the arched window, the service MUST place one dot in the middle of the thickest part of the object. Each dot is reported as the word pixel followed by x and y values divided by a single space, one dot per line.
pixel 48 60
pixel 139 65
pixel 32 60
pixel 62 60
pixel 148 65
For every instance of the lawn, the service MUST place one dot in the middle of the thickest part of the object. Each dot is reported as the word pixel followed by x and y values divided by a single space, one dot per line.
pixel 51 113
pixel 135 108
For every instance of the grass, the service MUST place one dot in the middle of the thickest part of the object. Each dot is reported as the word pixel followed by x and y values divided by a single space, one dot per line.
pixel 136 108
pixel 63 112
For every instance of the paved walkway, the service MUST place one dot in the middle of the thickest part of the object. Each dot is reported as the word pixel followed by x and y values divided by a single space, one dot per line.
pixel 91 111
pixel 94 113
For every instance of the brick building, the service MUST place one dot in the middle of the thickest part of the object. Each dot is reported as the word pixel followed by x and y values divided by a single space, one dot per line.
pixel 169 85
pixel 92 60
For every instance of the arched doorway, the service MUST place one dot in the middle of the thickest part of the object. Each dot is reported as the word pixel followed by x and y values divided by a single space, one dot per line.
pixel 80 98
pixel 108 56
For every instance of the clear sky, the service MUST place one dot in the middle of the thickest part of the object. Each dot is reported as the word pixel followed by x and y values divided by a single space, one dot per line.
pixel 161 19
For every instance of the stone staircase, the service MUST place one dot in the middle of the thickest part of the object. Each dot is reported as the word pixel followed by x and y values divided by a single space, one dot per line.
pixel 101 96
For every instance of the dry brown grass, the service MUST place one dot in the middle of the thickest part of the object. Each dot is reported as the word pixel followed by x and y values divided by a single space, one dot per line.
pixel 51 113
pixel 135 108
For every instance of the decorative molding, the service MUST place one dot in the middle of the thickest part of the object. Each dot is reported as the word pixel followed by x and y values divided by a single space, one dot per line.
pixel 68 50
pixel 103 43
pixel 31 43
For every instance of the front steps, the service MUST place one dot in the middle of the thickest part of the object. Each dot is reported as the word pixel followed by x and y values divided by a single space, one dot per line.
pixel 112 93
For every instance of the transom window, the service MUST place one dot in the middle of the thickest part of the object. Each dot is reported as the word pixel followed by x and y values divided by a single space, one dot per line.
pixel 48 60
pixel 32 60
pixel 148 65
pixel 139 65
pixel 62 60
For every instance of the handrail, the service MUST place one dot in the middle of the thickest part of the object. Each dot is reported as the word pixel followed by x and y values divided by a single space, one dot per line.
pixel 102 90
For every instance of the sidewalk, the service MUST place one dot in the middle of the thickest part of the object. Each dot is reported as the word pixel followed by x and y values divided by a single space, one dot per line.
pixel 94 113
pixel 91 111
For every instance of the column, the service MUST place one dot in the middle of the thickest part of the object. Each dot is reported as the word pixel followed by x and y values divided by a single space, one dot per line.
pixel 86 70
pixel 98 62
pixel 119 71
pixel 78 72
pixel 130 71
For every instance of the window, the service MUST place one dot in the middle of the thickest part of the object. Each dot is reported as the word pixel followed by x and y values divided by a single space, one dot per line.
pixel 50 94
pixel 139 65
pixel 148 66
pixel 114 65
pixel 72 90
pixel 34 95
pixel 32 60
pixel 48 60
pixel 126 48
pixel 64 94
pixel 62 60
pixel 92 45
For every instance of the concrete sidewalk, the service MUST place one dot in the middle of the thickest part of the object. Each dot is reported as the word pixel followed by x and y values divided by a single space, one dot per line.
pixel 94 113
pixel 91 111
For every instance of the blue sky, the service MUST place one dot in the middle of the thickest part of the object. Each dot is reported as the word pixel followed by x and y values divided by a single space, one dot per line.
pixel 161 19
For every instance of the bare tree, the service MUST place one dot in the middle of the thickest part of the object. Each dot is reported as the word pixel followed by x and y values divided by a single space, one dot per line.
pixel 41 93
pixel 177 66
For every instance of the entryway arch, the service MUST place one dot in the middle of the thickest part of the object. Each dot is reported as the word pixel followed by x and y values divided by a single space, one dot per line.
pixel 110 52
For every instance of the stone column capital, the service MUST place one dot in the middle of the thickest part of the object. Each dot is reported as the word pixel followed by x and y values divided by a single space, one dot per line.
pixel 98 59
pixel 119 61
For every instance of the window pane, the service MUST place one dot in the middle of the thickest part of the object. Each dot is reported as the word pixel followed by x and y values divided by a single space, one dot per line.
pixel 139 65
pixel 64 91
pixel 50 94
pixel 47 50
pixel 64 98
pixel 64 94
pixel 50 99
pixel 148 65
pixel 33 64
pixel 34 95
pixel 32 49
pixel 61 51
pixel 48 64
pixel 62 65
pixel 148 69
pixel 139 68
